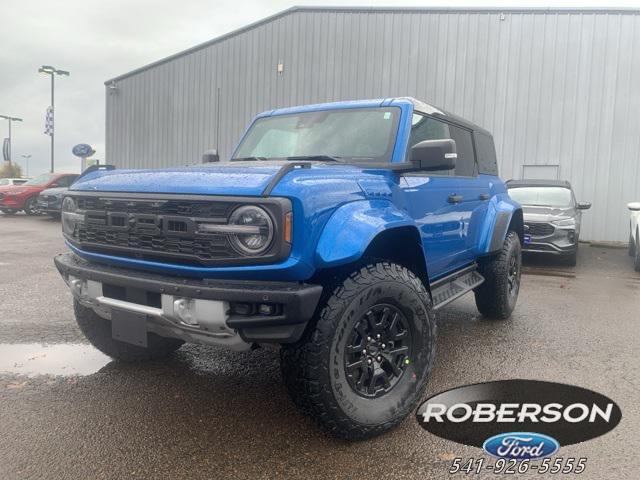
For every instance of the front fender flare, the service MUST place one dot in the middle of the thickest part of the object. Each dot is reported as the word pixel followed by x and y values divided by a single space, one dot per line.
pixel 353 226
pixel 501 213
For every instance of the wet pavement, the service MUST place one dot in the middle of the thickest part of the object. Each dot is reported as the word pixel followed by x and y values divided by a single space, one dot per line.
pixel 66 411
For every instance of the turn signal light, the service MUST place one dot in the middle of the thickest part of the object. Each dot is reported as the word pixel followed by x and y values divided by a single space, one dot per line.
pixel 288 227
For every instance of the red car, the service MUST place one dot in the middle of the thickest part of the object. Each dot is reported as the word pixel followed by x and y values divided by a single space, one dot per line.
pixel 23 197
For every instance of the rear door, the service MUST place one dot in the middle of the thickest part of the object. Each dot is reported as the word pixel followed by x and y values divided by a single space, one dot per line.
pixel 444 204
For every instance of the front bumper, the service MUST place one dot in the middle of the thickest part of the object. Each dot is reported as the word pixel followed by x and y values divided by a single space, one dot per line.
pixel 563 241
pixel 49 205
pixel 11 203
pixel 104 287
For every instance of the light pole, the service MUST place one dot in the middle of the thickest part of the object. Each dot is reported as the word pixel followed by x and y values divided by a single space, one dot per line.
pixel 10 119
pixel 26 158
pixel 52 71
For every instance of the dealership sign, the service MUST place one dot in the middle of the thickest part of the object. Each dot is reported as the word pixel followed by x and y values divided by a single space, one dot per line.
pixel 521 419
pixel 83 150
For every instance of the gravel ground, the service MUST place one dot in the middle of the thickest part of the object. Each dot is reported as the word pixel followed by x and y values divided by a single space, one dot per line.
pixel 209 413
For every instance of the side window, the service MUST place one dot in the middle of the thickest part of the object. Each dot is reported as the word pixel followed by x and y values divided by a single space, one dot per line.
pixel 427 128
pixel 466 162
pixel 66 181
pixel 486 154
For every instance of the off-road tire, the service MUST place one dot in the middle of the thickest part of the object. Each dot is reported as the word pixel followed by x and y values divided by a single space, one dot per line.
pixel 30 207
pixel 493 297
pixel 9 211
pixel 314 371
pixel 98 331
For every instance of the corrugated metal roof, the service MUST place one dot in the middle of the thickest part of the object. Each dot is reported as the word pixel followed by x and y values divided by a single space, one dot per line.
pixel 251 26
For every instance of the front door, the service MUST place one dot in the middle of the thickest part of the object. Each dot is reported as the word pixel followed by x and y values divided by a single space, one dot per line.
pixel 446 204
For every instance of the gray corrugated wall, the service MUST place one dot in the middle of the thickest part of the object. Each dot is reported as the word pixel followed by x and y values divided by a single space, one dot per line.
pixel 555 87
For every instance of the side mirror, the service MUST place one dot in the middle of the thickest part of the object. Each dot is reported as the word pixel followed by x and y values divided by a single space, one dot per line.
pixel 54 185
pixel 210 156
pixel 634 206
pixel 584 205
pixel 434 154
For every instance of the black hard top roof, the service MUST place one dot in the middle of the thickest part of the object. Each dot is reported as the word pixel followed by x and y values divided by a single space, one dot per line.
pixel 538 183
pixel 429 109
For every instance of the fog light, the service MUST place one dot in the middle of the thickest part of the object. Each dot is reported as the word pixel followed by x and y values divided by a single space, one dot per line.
pixel 266 309
pixel 76 285
pixel 242 308
pixel 184 308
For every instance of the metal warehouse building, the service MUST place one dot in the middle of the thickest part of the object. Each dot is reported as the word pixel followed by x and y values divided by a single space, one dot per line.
pixel 560 89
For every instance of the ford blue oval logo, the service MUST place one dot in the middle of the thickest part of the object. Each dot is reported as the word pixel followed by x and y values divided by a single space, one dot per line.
pixel 521 446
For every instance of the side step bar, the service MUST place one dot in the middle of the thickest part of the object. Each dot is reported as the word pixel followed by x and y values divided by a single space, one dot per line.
pixel 451 287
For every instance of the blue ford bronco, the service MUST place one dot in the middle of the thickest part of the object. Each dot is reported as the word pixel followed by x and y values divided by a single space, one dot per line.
pixel 335 231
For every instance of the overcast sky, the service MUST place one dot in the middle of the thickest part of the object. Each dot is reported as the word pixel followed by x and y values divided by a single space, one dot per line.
pixel 99 39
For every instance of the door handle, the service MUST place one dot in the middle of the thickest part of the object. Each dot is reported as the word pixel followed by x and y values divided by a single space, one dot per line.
pixel 454 198
pixel 484 196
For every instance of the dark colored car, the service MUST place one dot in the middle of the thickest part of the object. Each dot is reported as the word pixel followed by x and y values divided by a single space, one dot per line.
pixel 14 198
pixel 50 201
pixel 552 216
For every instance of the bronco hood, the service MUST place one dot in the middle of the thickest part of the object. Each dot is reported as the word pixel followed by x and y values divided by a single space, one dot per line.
pixel 328 180
pixel 238 178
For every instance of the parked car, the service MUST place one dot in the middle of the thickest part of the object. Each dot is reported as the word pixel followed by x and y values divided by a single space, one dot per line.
pixel 552 216
pixel 50 201
pixel 14 198
pixel 634 234
pixel 12 181
pixel 336 231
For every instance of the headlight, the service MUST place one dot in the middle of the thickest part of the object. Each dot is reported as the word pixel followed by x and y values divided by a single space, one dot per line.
pixel 567 222
pixel 255 230
pixel 70 218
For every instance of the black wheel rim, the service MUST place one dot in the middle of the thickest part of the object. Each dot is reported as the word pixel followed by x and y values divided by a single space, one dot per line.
pixel 378 351
pixel 513 275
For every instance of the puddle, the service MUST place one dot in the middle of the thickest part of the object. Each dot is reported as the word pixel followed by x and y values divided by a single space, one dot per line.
pixel 32 359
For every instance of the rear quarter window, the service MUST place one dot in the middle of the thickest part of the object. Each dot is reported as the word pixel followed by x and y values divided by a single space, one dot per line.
pixel 486 151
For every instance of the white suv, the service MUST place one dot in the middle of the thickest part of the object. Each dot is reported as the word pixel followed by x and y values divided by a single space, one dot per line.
pixel 634 234
pixel 12 181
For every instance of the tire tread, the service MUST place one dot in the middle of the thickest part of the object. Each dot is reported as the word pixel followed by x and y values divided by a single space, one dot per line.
pixel 303 364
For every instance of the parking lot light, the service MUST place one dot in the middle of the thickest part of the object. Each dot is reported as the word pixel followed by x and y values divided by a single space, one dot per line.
pixel 52 71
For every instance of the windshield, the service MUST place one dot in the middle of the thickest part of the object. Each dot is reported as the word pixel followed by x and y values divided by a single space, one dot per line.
pixel 363 134
pixel 543 196
pixel 40 179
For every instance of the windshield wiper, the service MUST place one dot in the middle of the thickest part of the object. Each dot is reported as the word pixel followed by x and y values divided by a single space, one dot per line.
pixel 323 158
pixel 249 159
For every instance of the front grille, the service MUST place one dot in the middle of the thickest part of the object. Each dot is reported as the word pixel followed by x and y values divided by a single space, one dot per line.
pixel 166 229
pixel 540 229
pixel 158 207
